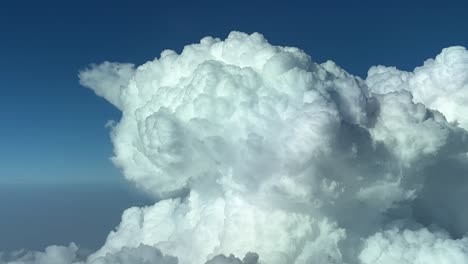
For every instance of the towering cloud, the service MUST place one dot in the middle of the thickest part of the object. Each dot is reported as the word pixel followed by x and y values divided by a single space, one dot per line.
pixel 251 147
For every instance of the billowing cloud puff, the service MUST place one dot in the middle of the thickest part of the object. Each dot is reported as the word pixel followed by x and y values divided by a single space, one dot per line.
pixel 141 254
pixel 415 247
pixel 250 147
pixel 51 255
pixel 440 84
pixel 250 258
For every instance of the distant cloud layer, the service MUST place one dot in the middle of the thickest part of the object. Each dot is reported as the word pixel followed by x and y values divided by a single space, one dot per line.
pixel 255 150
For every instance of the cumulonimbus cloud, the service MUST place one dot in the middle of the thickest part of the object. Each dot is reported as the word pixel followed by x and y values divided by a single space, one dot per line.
pixel 251 147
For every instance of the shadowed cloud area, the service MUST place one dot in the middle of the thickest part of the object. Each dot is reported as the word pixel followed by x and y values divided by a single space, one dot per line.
pixel 257 154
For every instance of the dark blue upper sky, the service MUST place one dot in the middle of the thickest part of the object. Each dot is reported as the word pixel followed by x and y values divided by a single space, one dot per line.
pixel 52 130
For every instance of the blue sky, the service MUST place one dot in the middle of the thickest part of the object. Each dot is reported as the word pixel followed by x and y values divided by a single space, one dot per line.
pixel 52 130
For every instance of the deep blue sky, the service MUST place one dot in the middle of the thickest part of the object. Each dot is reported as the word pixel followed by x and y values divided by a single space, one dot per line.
pixel 52 130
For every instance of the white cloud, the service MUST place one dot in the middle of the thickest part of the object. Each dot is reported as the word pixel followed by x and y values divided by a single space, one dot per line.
pixel 142 254
pixel 51 255
pixel 440 84
pixel 252 147
pixel 414 247
pixel 108 80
